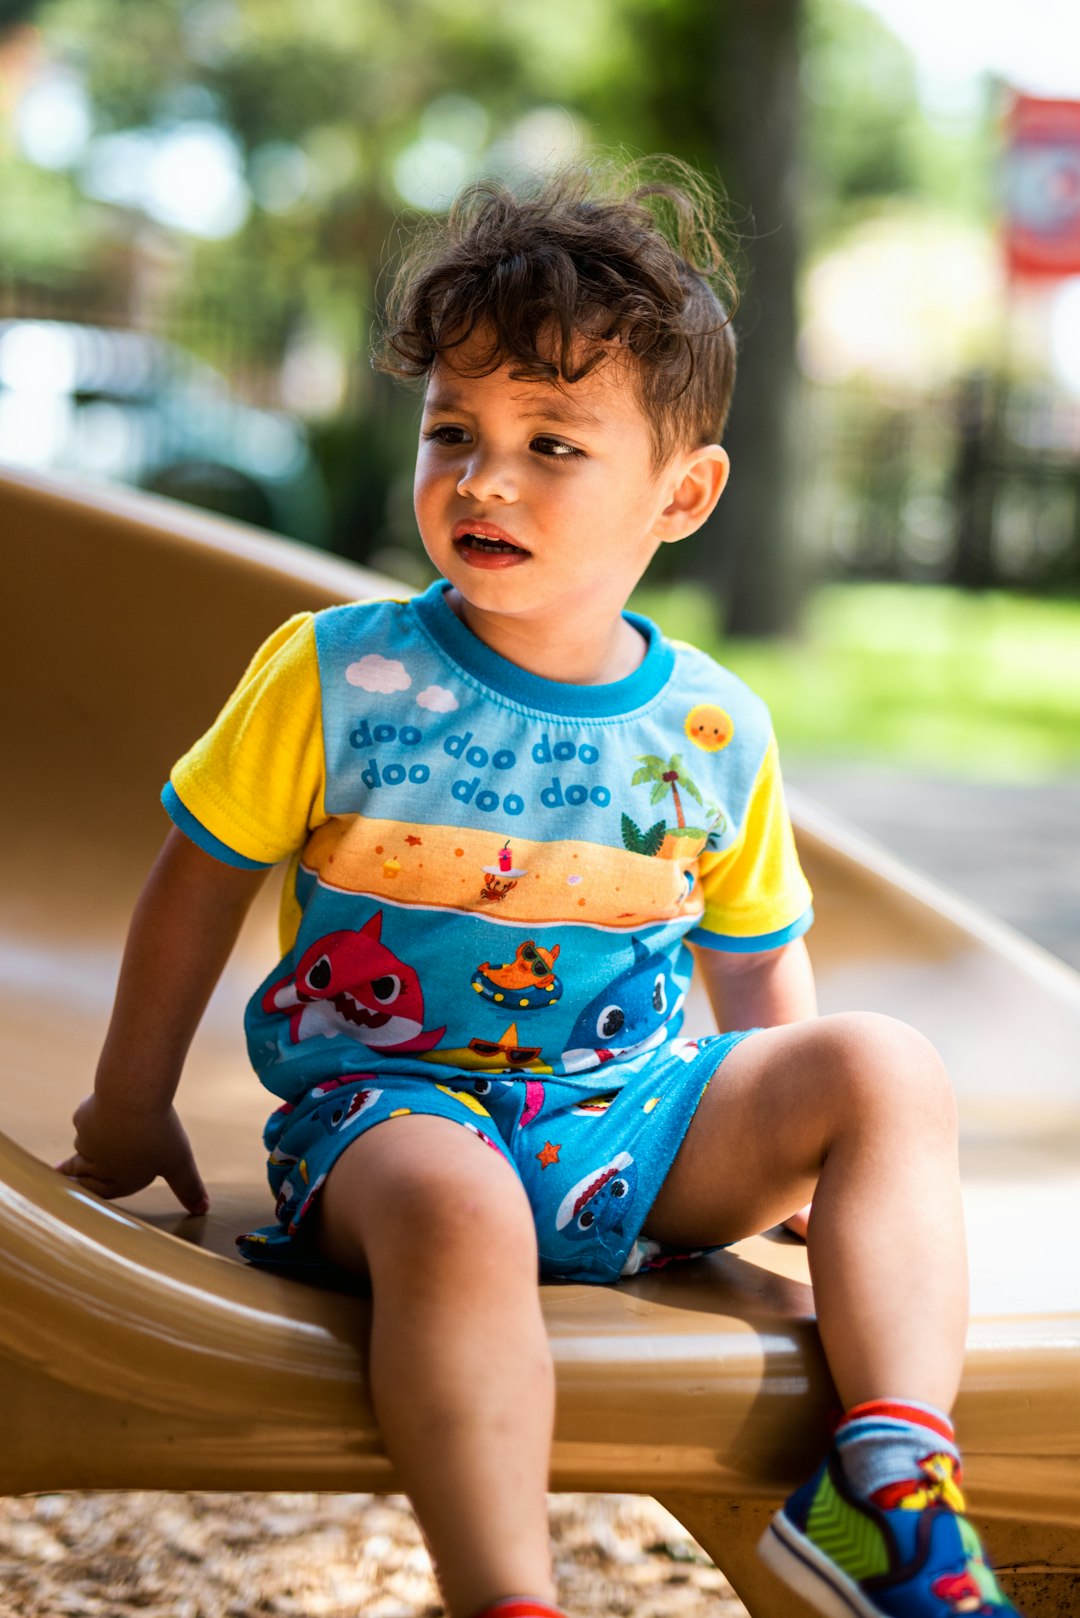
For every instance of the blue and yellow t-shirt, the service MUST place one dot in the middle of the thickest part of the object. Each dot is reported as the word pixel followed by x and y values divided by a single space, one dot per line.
pixel 491 871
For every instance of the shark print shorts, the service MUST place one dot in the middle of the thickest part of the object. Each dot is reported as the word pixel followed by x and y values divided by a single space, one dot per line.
pixel 592 1161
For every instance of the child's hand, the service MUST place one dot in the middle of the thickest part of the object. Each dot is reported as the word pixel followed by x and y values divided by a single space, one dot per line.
pixel 119 1151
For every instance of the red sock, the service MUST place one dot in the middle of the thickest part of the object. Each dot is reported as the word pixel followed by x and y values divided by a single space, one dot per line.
pixel 894 1449
pixel 901 1410
pixel 519 1607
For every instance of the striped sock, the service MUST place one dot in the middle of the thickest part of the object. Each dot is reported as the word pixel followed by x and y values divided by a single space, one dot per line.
pixel 891 1449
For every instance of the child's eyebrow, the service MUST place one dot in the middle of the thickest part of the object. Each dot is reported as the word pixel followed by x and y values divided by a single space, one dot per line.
pixel 561 409
pixel 558 408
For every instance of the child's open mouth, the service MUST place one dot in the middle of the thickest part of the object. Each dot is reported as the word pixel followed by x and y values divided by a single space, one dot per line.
pixel 486 549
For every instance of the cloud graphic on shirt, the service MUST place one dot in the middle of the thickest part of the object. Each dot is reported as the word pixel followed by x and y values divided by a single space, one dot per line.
pixel 375 673
pixel 438 699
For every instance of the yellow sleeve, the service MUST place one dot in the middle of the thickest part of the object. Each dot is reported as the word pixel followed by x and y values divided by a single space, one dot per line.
pixel 756 896
pixel 254 785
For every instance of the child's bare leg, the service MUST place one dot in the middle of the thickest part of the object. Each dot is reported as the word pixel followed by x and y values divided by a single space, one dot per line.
pixel 461 1373
pixel 857 1112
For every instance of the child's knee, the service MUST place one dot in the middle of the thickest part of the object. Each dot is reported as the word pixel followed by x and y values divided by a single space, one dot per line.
pixel 455 1213
pixel 459 1213
pixel 408 1201
pixel 875 1064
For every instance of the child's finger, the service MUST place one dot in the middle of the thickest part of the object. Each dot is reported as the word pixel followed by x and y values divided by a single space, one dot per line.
pixel 75 1167
pixel 83 1171
pixel 186 1185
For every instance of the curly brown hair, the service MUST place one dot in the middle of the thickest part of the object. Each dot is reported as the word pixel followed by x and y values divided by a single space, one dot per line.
pixel 556 277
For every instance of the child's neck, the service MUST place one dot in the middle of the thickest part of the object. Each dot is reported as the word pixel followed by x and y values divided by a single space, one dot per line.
pixel 564 653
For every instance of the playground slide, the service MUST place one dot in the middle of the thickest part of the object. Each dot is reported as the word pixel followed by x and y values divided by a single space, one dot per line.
pixel 128 620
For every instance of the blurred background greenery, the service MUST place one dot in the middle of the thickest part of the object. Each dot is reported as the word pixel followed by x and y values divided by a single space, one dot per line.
pixel 896 564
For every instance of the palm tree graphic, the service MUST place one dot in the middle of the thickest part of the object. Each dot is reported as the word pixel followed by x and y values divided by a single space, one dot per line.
pixel 666 777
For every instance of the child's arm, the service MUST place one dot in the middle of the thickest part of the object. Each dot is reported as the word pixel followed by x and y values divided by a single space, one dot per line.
pixel 759 991
pixel 182 932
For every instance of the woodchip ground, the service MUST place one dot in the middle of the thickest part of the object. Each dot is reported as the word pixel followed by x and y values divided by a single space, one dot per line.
pixel 141 1555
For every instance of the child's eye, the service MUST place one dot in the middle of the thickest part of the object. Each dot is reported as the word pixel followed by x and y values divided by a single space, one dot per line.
pixel 555 449
pixel 445 435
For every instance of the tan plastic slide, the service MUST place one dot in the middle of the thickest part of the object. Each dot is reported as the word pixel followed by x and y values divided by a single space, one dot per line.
pixel 136 1352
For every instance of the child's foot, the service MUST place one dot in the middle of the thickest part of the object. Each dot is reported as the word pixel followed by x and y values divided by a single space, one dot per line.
pixel 908 1553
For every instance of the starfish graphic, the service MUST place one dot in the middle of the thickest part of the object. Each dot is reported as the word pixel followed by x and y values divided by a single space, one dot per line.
pixel 549 1154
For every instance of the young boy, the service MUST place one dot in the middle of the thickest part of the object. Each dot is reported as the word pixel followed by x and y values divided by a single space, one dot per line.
pixel 508 804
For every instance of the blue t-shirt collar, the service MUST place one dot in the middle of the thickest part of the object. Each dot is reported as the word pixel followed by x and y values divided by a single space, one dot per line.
pixel 557 697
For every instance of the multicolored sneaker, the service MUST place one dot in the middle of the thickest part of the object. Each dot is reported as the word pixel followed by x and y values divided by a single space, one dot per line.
pixel 908 1553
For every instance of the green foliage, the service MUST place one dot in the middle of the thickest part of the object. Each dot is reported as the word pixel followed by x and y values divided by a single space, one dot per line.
pixel 653 768
pixel 869 139
pixel 285 71
pixel 862 112
pixel 651 765
pixel 45 226
pixel 686 783
pixel 643 842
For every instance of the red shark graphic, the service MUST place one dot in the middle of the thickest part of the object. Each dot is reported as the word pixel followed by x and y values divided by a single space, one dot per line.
pixel 350 983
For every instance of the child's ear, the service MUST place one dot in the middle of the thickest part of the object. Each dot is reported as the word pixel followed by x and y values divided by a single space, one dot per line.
pixel 697 481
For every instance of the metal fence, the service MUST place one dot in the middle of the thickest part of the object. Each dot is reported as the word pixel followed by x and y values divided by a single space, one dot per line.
pixel 978 486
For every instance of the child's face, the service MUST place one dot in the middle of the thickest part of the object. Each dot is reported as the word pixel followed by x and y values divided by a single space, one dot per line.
pixel 539 501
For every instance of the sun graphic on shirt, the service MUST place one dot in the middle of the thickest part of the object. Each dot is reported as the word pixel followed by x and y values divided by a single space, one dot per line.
pixel 709 727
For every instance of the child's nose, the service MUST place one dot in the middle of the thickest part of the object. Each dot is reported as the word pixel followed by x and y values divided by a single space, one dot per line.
pixel 488 477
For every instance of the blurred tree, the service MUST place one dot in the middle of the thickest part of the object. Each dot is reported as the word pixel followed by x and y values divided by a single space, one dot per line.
pixel 729 99
pixel 15 12
pixel 756 118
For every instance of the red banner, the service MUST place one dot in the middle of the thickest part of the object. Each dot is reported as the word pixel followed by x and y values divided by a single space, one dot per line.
pixel 1042 187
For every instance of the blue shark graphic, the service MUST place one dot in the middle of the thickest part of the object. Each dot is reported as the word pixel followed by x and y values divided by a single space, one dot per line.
pixel 628 1016
pixel 597 1206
